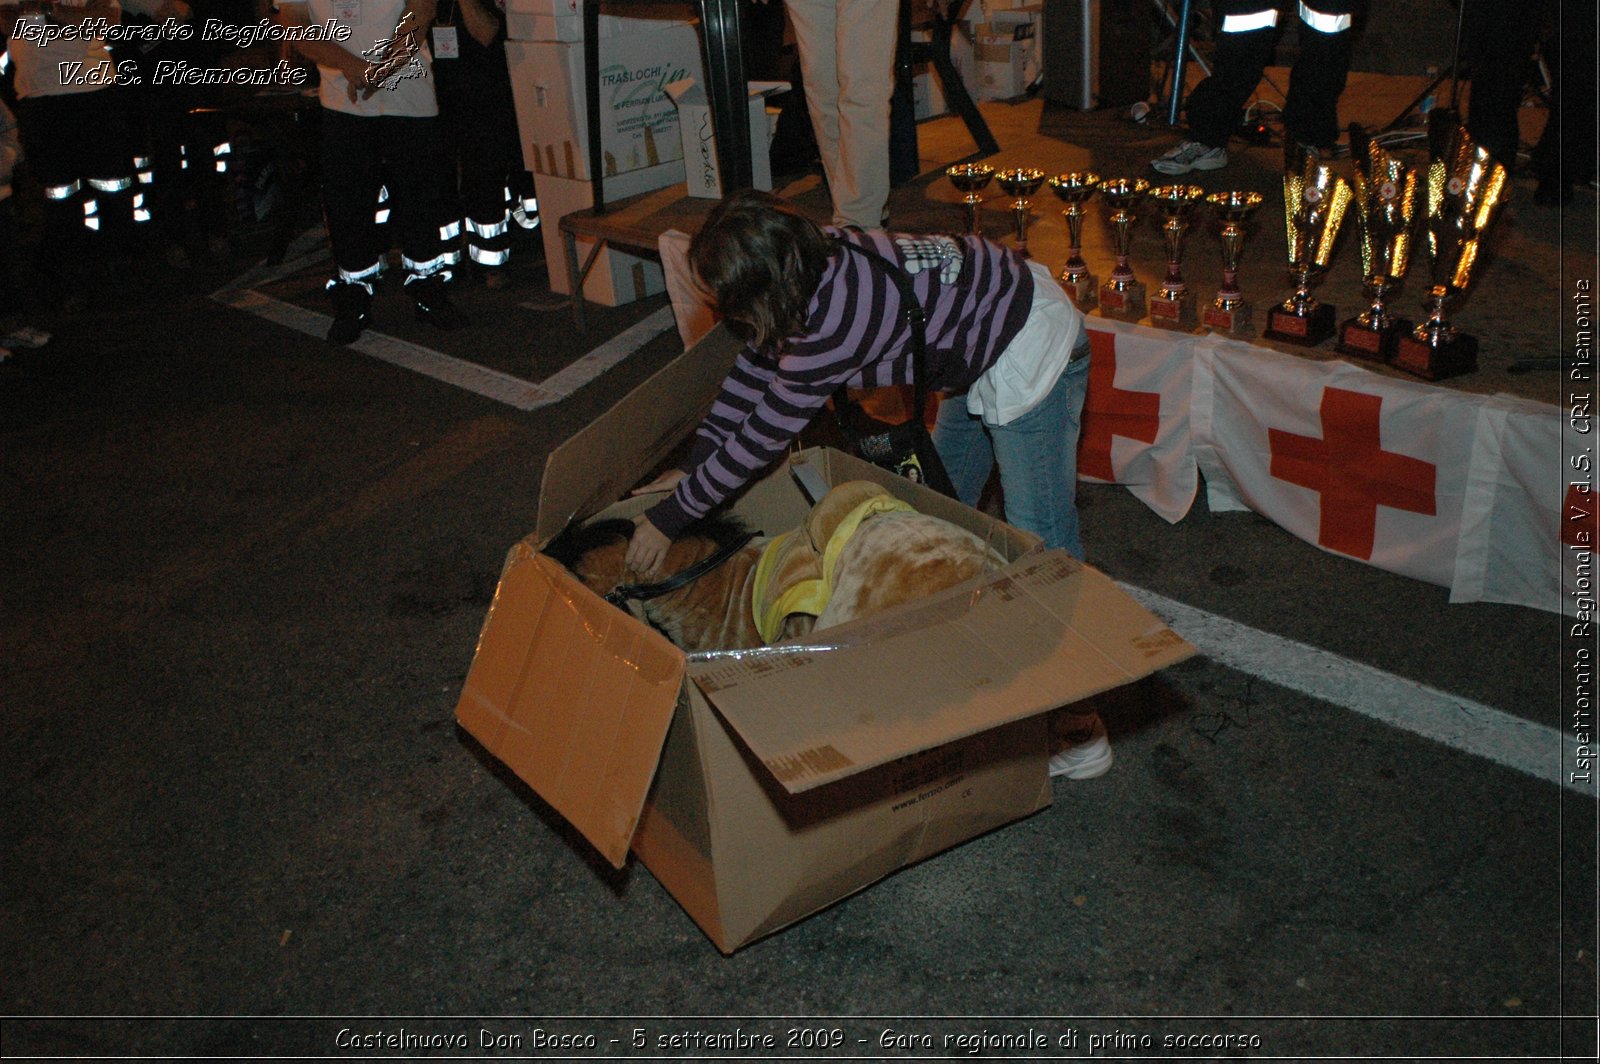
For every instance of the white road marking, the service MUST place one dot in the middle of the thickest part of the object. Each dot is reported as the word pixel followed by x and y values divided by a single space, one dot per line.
pixel 308 248
pixel 1535 749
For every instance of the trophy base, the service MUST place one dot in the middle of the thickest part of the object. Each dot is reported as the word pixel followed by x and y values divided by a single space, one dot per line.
pixel 1173 313
pixel 1124 304
pixel 1081 290
pixel 1235 322
pixel 1307 330
pixel 1435 362
pixel 1376 344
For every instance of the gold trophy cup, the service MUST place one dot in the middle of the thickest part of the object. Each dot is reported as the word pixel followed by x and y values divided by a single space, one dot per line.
pixel 970 179
pixel 1314 201
pixel 1122 296
pixel 1229 313
pixel 1385 201
pixel 1172 305
pixel 1076 189
pixel 1020 182
pixel 1465 190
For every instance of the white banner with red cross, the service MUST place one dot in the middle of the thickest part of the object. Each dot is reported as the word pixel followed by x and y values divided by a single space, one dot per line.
pixel 1516 527
pixel 1136 426
pixel 1359 464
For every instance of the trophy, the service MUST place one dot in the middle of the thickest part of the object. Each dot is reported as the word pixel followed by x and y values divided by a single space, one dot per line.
pixel 1314 202
pixel 1385 201
pixel 1122 296
pixel 1172 305
pixel 1229 313
pixel 1021 182
pixel 971 179
pixel 1076 189
pixel 1465 190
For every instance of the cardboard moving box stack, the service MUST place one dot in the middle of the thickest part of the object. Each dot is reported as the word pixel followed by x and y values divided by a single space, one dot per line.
pixel 640 142
pixel 759 787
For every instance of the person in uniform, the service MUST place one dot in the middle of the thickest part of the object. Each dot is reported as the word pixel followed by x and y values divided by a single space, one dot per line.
pixel 380 131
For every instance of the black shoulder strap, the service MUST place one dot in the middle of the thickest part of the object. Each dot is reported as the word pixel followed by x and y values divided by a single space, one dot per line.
pixel 911 307
pixel 933 470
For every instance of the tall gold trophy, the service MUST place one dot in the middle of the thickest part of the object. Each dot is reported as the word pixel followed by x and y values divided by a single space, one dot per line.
pixel 1465 190
pixel 970 179
pixel 1229 313
pixel 1385 200
pixel 1122 296
pixel 1021 182
pixel 1075 189
pixel 1172 305
pixel 1314 202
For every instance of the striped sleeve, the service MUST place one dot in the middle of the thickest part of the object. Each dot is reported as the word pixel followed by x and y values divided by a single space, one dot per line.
pixel 854 322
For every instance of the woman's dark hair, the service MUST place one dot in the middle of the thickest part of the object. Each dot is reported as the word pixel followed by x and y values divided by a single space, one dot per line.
pixel 762 260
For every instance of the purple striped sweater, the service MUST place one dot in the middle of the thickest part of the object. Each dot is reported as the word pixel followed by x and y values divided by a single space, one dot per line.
pixel 977 295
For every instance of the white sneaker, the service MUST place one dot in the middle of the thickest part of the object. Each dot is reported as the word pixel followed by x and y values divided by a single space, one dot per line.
pixel 1085 750
pixel 1190 155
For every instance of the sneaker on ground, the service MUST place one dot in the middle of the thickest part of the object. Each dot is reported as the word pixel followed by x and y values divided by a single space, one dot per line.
pixel 1085 750
pixel 26 336
pixel 1191 155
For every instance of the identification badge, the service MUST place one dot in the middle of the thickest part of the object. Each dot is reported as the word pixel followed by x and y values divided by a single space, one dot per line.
pixel 445 43
pixel 348 12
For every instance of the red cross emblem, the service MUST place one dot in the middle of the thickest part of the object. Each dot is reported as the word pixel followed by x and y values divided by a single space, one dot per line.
pixel 1352 472
pixel 1110 411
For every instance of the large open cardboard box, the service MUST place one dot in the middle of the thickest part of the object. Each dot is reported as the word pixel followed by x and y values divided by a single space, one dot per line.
pixel 760 787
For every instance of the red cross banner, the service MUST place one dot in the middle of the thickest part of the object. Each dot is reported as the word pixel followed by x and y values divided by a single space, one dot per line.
pixel 1357 463
pixel 1135 428
pixel 1515 520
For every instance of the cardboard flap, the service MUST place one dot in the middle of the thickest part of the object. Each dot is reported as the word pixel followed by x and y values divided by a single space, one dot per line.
pixel 1044 632
pixel 574 696
pixel 600 463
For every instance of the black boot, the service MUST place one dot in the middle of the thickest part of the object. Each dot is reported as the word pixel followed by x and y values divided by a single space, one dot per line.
pixel 352 306
pixel 433 303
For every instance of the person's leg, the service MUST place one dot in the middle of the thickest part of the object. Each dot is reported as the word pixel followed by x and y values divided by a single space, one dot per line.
pixel 420 183
pixel 351 178
pixel 866 36
pixel 1311 112
pixel 1246 35
pixel 964 448
pixel 814 34
pixel 48 126
pixel 1038 457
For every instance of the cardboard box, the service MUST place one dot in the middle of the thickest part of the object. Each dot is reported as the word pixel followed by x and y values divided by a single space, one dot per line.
pixel 616 276
pixel 763 786
pixel 562 20
pixel 701 170
pixel 1005 60
pixel 523 18
pixel 638 121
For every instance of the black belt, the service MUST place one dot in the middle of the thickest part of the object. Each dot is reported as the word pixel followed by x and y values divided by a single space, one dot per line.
pixel 623 592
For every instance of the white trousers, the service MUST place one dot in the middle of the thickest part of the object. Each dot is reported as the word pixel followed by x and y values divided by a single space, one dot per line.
pixel 847 62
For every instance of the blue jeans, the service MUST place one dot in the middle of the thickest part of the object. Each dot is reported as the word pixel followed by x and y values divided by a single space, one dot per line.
pixel 1037 453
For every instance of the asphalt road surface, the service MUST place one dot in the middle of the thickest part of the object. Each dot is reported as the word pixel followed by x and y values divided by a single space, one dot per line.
pixel 244 573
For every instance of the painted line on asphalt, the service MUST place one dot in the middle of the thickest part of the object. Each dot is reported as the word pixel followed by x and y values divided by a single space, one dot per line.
pixel 574 376
pixel 469 376
pixel 1472 727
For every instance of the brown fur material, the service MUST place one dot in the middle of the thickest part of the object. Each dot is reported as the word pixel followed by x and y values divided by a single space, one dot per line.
pixel 892 558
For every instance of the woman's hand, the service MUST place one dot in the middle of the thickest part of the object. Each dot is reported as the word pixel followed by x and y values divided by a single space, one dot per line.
pixel 648 547
pixel 665 482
